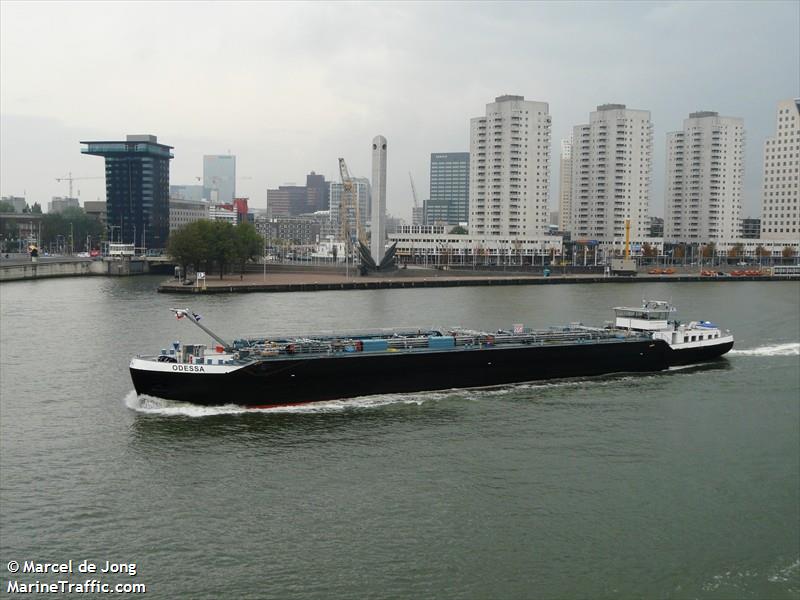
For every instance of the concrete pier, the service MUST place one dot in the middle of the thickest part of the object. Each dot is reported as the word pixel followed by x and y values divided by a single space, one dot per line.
pixel 43 268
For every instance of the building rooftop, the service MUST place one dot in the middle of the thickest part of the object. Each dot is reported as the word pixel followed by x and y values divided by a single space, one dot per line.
pixel 611 107
pixel 703 113
pixel 508 98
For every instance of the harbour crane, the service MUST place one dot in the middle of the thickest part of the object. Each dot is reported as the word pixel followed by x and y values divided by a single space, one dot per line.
pixel 348 201
pixel 70 178
pixel 413 191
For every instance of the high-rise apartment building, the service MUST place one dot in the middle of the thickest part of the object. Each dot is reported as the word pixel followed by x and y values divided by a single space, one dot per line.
pixel 449 191
pixel 612 174
pixel 780 199
pixel 565 187
pixel 363 195
pixel 219 178
pixel 509 170
pixel 705 166
pixel 137 188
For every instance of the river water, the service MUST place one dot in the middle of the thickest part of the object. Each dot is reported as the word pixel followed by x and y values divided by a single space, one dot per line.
pixel 683 484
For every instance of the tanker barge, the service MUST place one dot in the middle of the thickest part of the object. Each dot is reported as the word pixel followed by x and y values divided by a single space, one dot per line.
pixel 264 371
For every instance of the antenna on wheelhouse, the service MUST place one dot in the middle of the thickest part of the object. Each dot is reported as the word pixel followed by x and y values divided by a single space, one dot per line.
pixel 185 312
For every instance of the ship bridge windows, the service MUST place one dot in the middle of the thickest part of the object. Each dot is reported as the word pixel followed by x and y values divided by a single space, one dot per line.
pixel 646 315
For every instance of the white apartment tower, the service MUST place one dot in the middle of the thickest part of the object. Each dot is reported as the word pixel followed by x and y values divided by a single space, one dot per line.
pixel 565 187
pixel 612 174
pixel 780 200
pixel 705 166
pixel 509 168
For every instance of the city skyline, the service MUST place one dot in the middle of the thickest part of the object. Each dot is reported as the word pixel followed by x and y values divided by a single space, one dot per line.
pixel 417 89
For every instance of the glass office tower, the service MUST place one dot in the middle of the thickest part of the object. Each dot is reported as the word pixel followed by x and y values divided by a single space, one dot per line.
pixel 137 189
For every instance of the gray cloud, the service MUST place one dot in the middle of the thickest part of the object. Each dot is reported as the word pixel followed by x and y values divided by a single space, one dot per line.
pixel 290 87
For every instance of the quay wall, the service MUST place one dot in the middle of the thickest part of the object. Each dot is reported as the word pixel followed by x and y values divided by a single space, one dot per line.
pixel 20 271
pixel 367 283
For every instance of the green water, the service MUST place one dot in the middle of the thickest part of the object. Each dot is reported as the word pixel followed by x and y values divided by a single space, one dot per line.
pixel 684 484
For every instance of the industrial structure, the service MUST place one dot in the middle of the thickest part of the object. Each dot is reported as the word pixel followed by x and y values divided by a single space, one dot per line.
pixel 378 212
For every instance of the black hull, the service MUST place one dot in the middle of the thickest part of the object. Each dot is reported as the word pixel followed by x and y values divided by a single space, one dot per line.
pixel 294 381
pixel 691 356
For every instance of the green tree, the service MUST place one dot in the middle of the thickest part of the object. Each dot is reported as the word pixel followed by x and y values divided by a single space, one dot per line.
pixel 191 245
pixel 6 207
pixel 222 245
pixel 458 230
pixel 36 209
pixel 204 244
pixel 73 221
pixel 247 244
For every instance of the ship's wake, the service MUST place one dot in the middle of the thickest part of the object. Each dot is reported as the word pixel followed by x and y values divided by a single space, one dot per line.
pixel 158 406
pixel 788 349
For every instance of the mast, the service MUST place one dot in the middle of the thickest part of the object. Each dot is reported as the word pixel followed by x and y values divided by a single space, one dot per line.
pixel 185 312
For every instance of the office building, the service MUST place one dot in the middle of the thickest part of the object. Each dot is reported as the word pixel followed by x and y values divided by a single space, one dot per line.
pixel 509 169
pixel 137 188
pixel 18 202
pixel 58 204
pixel 751 228
pixel 187 192
pixel 96 209
pixel 780 199
pixel 449 187
pixel 705 165
pixel 302 231
pixel 287 200
pixel 317 193
pixel 182 212
pixel 293 200
pixel 436 213
pixel 611 174
pixel 223 212
pixel 219 178
pixel 565 187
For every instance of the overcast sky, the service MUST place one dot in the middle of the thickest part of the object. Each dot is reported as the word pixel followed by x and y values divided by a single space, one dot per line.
pixel 288 88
